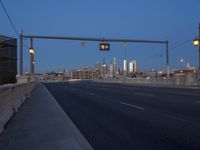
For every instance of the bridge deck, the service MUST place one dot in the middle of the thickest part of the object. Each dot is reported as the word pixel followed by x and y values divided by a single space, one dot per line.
pixel 41 124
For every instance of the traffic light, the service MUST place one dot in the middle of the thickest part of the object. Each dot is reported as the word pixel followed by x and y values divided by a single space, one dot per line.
pixel 104 46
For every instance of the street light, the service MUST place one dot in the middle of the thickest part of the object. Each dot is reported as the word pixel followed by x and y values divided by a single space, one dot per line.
pixel 181 60
pixel 196 42
pixel 32 62
pixel 31 51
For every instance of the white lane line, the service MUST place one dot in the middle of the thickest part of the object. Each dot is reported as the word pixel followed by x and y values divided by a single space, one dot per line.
pixel 143 94
pixel 89 93
pixel 134 106
pixel 72 89
pixel 180 119
pixel 103 88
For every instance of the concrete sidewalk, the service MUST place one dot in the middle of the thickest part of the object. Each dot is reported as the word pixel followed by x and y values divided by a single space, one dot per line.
pixel 41 124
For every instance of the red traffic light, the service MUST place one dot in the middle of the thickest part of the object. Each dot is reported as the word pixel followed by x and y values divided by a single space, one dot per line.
pixel 104 46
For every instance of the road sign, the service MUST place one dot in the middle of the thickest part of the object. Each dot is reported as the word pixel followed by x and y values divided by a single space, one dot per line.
pixel 104 46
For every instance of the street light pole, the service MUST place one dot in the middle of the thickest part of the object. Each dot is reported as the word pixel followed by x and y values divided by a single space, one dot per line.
pixel 167 58
pixel 31 57
pixel 197 44
pixel 199 47
pixel 21 54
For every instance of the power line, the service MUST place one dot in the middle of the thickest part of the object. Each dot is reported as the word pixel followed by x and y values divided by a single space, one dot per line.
pixel 181 44
pixel 12 24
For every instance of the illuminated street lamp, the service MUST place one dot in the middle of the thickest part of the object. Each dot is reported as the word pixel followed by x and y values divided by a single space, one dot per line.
pixel 196 42
pixel 31 51
pixel 32 62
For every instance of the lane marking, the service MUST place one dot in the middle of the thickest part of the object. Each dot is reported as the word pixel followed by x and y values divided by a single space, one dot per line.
pixel 89 93
pixel 143 94
pixel 180 119
pixel 134 106
pixel 72 89
pixel 198 102
pixel 103 88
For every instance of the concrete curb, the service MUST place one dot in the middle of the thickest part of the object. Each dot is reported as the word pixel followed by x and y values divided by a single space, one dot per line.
pixel 81 139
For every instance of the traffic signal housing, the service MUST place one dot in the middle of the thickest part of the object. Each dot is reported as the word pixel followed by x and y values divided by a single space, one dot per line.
pixel 104 46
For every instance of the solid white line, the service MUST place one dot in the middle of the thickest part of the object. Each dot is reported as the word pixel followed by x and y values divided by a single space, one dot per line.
pixel 143 94
pixel 89 93
pixel 134 106
pixel 103 88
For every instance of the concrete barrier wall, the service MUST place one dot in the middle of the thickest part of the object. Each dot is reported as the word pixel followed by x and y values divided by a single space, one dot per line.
pixel 154 81
pixel 12 96
pixel 186 79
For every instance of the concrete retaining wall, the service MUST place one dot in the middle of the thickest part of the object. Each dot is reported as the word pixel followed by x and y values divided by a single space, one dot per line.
pixel 11 98
pixel 181 80
pixel 154 81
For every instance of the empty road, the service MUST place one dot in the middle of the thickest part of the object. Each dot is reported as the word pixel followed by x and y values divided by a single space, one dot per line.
pixel 119 116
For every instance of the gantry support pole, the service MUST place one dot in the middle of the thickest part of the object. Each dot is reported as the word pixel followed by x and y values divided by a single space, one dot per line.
pixel 21 54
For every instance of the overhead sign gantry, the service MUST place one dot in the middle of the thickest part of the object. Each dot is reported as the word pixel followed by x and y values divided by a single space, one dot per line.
pixel 103 46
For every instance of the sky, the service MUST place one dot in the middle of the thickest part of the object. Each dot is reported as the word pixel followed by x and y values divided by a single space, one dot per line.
pixel 173 20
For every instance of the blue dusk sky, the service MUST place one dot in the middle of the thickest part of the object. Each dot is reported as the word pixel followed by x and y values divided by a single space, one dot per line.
pixel 173 20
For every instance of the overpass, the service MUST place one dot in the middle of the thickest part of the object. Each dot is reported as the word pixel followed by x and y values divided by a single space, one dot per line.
pixel 85 115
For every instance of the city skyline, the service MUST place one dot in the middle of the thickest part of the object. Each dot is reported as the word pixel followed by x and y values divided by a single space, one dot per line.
pixel 161 21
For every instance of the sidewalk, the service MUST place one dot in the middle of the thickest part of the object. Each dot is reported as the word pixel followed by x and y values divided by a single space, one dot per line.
pixel 41 124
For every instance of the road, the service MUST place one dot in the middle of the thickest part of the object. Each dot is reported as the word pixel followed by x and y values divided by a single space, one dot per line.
pixel 119 116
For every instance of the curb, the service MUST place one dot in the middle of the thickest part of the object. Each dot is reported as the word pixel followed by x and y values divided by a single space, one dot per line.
pixel 80 138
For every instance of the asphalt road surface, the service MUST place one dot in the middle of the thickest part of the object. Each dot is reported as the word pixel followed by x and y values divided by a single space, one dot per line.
pixel 119 116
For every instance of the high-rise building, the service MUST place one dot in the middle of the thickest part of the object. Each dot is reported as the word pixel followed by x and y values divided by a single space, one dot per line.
pixel 111 69
pixel 125 66
pixel 97 69
pixel 103 69
pixel 114 65
pixel 132 66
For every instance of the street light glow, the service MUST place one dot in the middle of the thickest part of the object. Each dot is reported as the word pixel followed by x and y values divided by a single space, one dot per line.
pixel 31 51
pixel 196 42
pixel 104 65
pixel 181 60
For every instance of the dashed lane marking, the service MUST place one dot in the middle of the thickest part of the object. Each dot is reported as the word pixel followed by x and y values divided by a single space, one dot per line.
pixel 89 93
pixel 134 106
pixel 143 94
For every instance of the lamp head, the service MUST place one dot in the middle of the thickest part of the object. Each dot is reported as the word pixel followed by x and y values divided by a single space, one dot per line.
pixel 31 51
pixel 196 42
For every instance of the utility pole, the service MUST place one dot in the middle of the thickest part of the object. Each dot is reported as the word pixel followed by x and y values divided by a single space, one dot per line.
pixel 21 54
pixel 167 58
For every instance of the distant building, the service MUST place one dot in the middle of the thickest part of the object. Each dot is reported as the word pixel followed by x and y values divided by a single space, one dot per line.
pixel 114 66
pixel 83 73
pixel 125 66
pixel 103 69
pixel 111 69
pixel 132 66
pixel 97 69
